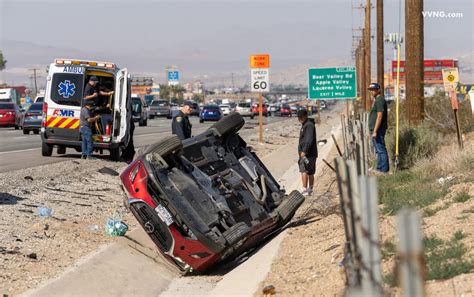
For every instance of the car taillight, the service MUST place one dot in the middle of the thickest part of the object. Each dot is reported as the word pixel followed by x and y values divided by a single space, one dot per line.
pixel 9 113
pixel 45 113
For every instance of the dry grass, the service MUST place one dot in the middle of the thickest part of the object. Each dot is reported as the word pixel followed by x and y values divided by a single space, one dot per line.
pixel 449 160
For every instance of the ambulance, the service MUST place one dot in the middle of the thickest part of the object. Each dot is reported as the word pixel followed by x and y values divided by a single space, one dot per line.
pixel 63 100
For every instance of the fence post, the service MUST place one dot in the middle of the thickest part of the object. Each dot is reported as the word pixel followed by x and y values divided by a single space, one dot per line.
pixel 410 253
pixel 371 257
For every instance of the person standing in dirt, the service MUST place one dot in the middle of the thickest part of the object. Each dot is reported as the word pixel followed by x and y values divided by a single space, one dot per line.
pixel 307 151
pixel 180 125
pixel 378 126
pixel 86 119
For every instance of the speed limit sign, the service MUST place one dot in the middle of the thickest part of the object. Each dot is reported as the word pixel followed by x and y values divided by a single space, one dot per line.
pixel 259 80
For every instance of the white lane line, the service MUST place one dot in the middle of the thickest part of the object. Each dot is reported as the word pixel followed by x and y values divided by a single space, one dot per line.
pixel 19 151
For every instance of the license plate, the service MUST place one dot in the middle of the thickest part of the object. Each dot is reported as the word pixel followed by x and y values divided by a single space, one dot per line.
pixel 34 117
pixel 164 215
pixel 211 112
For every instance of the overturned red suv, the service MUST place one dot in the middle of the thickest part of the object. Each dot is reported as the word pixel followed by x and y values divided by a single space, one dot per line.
pixel 208 198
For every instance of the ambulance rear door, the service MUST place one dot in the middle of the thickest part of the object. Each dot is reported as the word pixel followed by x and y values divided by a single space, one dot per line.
pixel 120 107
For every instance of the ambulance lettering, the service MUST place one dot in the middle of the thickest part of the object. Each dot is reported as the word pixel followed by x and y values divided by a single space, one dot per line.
pixel 74 69
pixel 63 113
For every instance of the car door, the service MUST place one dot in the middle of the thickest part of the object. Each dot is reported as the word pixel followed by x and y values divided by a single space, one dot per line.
pixel 121 114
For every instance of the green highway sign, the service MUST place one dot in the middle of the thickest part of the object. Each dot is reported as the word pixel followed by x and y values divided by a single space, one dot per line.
pixel 332 83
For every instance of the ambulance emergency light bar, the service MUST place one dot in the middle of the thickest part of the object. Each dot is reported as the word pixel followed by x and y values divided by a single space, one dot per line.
pixel 89 63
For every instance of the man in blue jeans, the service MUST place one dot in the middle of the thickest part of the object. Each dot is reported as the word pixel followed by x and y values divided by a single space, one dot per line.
pixel 378 126
pixel 86 120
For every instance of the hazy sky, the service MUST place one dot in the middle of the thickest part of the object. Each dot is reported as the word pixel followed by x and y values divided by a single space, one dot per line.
pixel 207 37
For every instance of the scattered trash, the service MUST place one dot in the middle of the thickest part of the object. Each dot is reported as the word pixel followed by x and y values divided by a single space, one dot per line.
pixel 45 212
pixel 331 247
pixel 322 141
pixel 269 290
pixel 107 170
pixel 115 227
pixel 32 256
pixel 442 180
pixel 76 162
pixel 29 177
pixel 94 228
pixel 46 227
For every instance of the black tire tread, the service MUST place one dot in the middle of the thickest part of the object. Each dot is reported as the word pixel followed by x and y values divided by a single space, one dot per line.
pixel 165 146
pixel 46 150
pixel 286 210
pixel 229 124
pixel 236 233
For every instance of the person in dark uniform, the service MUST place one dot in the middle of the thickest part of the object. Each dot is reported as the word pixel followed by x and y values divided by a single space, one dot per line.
pixel 92 92
pixel 180 125
pixel 378 127
pixel 307 151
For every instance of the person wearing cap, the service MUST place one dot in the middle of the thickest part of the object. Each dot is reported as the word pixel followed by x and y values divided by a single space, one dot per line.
pixel 378 126
pixel 92 92
pixel 86 120
pixel 307 151
pixel 180 124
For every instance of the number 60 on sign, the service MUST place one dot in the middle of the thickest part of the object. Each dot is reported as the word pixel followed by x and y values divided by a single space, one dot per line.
pixel 259 80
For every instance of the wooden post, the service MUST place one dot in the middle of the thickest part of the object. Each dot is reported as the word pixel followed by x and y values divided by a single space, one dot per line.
pixel 380 44
pixel 368 37
pixel 410 253
pixel 455 106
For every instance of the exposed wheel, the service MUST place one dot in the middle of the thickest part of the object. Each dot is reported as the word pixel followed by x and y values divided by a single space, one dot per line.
pixel 201 121
pixel 46 149
pixel 166 146
pixel 115 153
pixel 236 233
pixel 152 117
pixel 61 150
pixel 16 127
pixel 230 124
pixel 145 123
pixel 36 131
pixel 26 131
pixel 140 123
pixel 251 117
pixel 286 210
pixel 169 117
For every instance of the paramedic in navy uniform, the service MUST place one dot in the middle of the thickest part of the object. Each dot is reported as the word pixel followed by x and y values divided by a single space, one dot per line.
pixel 91 91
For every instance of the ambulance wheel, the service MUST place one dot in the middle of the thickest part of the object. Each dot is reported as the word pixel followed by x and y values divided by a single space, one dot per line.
pixel 46 150
pixel 61 150
pixel 115 154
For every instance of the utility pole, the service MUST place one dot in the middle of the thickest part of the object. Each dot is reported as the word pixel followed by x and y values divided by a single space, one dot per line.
pixel 367 43
pixel 414 66
pixel 34 77
pixel 380 44
pixel 363 77
pixel 233 82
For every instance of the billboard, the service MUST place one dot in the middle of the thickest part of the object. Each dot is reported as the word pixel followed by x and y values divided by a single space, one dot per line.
pixel 433 70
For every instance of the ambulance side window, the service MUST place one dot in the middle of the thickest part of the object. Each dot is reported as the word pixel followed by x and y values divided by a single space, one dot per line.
pixel 67 88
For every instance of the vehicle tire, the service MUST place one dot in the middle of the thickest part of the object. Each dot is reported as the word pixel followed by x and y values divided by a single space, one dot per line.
pixel 46 150
pixel 152 117
pixel 168 145
pixel 36 131
pixel 16 127
pixel 140 123
pixel 251 117
pixel 201 121
pixel 286 210
pixel 26 131
pixel 145 123
pixel 230 124
pixel 61 150
pixel 115 153
pixel 236 233
pixel 169 117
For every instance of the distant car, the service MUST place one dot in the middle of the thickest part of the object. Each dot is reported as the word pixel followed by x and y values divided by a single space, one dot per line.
pixel 32 118
pixel 323 105
pixel 39 99
pixel 285 110
pixel 245 109
pixel 139 111
pixel 160 108
pixel 10 115
pixel 256 109
pixel 294 109
pixel 225 109
pixel 274 108
pixel 210 113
